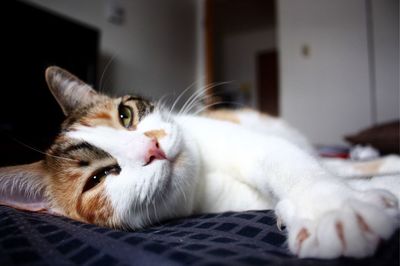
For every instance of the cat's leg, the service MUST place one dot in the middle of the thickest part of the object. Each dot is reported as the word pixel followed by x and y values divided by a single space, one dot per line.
pixel 387 165
pixel 325 217
pixel 390 183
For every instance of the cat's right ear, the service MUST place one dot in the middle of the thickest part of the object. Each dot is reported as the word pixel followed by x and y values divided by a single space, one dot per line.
pixel 24 187
pixel 70 92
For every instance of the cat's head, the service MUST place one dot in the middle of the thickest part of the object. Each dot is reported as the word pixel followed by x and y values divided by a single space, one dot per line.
pixel 119 162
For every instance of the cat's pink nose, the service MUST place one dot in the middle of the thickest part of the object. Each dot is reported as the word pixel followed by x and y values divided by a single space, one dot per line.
pixel 154 152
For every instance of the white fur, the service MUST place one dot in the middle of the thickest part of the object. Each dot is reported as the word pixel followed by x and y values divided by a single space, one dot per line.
pixel 273 126
pixel 216 166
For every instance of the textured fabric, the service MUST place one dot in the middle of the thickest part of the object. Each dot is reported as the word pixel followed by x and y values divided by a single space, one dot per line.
pixel 245 238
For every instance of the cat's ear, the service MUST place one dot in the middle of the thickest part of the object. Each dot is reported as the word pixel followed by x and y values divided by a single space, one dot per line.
pixel 24 187
pixel 69 91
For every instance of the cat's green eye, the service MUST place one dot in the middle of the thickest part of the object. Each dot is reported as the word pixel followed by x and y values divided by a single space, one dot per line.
pixel 97 177
pixel 125 115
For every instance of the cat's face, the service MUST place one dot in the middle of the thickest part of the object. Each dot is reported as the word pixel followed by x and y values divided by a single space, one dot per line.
pixel 119 162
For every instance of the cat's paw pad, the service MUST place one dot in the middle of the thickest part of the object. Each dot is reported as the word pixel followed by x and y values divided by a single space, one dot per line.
pixel 354 229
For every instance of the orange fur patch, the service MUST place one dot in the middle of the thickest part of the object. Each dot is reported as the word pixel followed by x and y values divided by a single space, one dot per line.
pixel 224 115
pixel 101 115
pixel 158 133
pixel 369 168
pixel 75 175
pixel 301 237
pixel 65 191
pixel 85 122
pixel 95 208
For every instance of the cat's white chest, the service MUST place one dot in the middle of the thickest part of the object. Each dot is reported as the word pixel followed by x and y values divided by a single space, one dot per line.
pixel 221 184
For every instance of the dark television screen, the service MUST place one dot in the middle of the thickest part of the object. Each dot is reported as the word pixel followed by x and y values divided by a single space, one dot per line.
pixel 33 39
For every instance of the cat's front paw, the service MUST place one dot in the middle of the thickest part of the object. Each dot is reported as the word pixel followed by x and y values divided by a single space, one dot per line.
pixel 352 225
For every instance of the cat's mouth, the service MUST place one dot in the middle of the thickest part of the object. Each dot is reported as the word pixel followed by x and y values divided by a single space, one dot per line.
pixel 154 152
pixel 156 155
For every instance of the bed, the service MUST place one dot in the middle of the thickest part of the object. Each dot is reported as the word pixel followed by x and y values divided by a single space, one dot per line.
pixel 230 238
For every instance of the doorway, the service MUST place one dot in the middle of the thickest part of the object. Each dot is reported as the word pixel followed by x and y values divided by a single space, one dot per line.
pixel 241 52
pixel 268 82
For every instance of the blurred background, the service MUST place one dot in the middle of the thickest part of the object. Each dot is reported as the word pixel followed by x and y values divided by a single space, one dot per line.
pixel 330 68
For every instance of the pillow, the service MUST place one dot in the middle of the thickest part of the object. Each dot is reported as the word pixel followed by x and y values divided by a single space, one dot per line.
pixel 384 137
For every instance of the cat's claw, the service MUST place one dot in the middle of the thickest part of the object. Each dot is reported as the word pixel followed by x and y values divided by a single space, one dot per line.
pixel 279 224
pixel 353 229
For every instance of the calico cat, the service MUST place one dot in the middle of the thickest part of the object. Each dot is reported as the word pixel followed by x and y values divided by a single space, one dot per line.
pixel 127 163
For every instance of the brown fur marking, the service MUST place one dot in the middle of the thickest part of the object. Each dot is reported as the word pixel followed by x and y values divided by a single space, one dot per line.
pixel 301 237
pixel 364 226
pixel 388 203
pixel 340 233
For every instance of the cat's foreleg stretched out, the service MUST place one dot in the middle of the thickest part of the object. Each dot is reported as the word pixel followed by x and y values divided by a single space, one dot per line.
pixel 325 217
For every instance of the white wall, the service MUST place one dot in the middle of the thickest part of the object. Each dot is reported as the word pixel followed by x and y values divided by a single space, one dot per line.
pixel 386 43
pixel 154 50
pixel 327 94
pixel 239 54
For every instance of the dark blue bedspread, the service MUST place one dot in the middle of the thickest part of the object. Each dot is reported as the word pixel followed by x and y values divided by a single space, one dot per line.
pixel 244 238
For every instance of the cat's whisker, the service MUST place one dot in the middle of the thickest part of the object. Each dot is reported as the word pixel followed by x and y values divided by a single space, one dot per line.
pixel 198 104
pixel 166 112
pixel 149 196
pixel 158 220
pixel 163 201
pixel 160 104
pixel 165 96
pixel 179 97
pixel 155 220
pixel 104 71
pixel 148 214
pixel 217 103
pixel 197 92
pixel 41 152
pixel 181 94
pixel 184 194
pixel 181 190
pixel 161 108
pixel 199 96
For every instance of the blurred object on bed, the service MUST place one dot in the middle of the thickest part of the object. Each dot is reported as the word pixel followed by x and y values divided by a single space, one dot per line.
pixel 333 151
pixel 384 137
pixel 362 153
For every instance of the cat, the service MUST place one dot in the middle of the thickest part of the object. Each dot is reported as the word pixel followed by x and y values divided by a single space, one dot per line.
pixel 127 163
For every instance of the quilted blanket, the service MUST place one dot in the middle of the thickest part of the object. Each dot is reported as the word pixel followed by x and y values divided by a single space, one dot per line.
pixel 231 238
